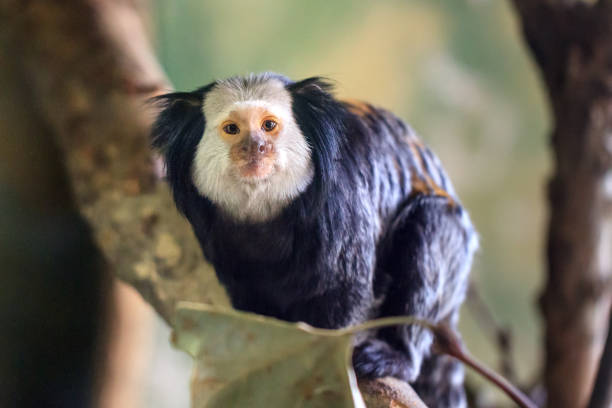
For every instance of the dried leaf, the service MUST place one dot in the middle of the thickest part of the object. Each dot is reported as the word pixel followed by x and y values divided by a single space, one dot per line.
pixel 246 360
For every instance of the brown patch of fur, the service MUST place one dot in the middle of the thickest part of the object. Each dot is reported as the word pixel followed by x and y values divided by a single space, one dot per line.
pixel 358 107
pixel 427 185
pixel 419 186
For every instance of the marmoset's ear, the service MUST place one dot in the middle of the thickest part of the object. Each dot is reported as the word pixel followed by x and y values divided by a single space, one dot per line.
pixel 322 120
pixel 176 133
pixel 178 110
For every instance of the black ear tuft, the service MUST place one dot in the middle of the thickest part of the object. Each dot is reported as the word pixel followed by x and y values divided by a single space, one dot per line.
pixel 322 120
pixel 312 84
pixel 176 109
pixel 176 134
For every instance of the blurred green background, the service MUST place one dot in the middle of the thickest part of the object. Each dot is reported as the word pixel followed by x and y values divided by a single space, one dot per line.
pixel 456 70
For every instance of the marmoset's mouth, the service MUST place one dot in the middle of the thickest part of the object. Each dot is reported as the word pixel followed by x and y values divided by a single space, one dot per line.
pixel 255 170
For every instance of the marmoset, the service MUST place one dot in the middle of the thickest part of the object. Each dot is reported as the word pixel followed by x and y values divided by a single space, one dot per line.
pixel 325 211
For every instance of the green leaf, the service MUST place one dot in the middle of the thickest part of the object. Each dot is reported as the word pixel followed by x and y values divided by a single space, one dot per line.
pixel 247 360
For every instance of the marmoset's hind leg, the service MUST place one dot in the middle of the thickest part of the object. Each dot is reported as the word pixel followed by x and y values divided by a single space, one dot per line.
pixel 426 260
pixel 440 383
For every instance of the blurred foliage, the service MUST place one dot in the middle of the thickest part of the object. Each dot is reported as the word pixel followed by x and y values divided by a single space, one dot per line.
pixel 456 70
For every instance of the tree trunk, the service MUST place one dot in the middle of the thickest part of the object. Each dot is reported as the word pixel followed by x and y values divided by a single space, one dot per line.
pixel 571 42
pixel 88 70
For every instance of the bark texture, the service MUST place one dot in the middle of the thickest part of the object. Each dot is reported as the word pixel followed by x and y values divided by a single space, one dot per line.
pixel 51 312
pixel 389 392
pixel 87 69
pixel 571 42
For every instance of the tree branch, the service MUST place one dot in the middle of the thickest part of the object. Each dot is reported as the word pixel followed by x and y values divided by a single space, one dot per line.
pixel 389 392
pixel 573 53
pixel 448 342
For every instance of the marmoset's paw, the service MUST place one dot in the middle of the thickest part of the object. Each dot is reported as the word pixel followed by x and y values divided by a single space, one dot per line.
pixel 376 359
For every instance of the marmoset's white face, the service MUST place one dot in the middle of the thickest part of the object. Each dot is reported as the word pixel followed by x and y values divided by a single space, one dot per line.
pixel 253 159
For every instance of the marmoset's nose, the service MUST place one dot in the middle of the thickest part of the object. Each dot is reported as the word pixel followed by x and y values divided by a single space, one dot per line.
pixel 255 145
pixel 259 146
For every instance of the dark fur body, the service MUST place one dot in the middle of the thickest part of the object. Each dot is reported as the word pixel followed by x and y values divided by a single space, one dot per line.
pixel 379 232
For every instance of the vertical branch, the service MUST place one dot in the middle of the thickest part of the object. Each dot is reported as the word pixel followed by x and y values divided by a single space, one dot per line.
pixel 572 45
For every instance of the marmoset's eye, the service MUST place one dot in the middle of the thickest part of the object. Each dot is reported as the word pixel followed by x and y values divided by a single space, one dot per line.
pixel 268 125
pixel 231 129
